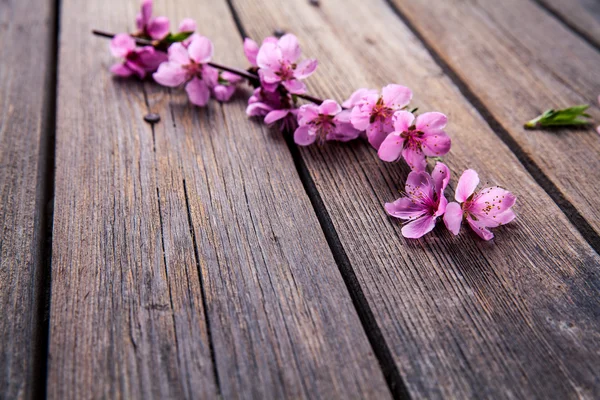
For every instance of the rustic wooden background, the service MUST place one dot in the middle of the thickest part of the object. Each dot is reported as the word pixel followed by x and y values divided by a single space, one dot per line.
pixel 208 256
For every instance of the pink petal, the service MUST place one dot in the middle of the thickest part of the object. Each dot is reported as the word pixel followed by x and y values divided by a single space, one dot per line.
pixel 418 227
pixel 223 93
pixel 158 28
pixel 490 202
pixel 329 107
pixel 150 59
pixel 344 130
pixel 466 185
pixel 275 115
pixel 419 185
pixel 187 25
pixel 290 49
pixel 201 50
pixel 436 144
pixel 305 69
pixel 376 133
pixel 121 70
pixel 136 68
pixel 269 76
pixel 598 129
pixel 402 121
pixel 440 176
pixel 357 96
pixel 303 136
pixel 258 109
pixel 396 96
pixel 307 113
pixel 145 13
pixel 178 54
pixel 480 229
pixel 294 86
pixel 453 217
pixel 121 45
pixel 415 158
pixel 269 56
pixel 359 118
pixel 230 77
pixel 431 122
pixel 251 50
pixel 405 208
pixel 170 74
pixel 198 92
pixel 391 148
pixel 210 75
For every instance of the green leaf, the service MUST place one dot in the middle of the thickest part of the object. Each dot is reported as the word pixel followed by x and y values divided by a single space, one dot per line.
pixel 565 117
pixel 177 37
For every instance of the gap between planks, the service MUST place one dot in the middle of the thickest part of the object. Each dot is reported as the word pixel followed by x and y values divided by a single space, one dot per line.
pixel 574 216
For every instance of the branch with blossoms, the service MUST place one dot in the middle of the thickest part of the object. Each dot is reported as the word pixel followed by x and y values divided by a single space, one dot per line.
pixel 276 72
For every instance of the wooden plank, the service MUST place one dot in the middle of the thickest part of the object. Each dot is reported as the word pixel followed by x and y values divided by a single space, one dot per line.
pixel 581 15
pixel 511 55
pixel 139 299
pixel 26 84
pixel 463 318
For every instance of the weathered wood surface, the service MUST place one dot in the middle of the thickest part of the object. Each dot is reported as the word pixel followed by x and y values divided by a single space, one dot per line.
pixel 517 317
pixel 581 15
pixel 26 76
pixel 518 60
pixel 195 234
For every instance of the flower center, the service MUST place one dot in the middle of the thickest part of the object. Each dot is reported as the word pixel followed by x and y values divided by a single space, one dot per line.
pixel 380 111
pixel 323 125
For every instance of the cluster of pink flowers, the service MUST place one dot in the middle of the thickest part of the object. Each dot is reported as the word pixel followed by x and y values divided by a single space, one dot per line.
pixel 277 72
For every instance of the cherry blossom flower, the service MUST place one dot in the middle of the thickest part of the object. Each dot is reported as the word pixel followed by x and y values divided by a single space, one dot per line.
pixel 424 201
pixel 273 106
pixel 416 139
pixel 148 27
pixel 277 65
pixel 251 49
pixel 357 96
pixel 374 112
pixel 222 84
pixel 188 65
pixel 324 122
pixel 488 208
pixel 136 60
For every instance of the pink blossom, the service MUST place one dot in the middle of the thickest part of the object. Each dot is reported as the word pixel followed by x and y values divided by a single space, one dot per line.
pixel 424 201
pixel 188 25
pixel 488 208
pixel 153 28
pixel 273 107
pixel 136 60
pixel 277 65
pixel 188 65
pixel 357 96
pixel 251 49
pixel 416 139
pixel 324 122
pixel 222 84
pixel 374 112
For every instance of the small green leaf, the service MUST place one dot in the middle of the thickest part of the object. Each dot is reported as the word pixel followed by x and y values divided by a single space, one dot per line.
pixel 565 117
pixel 177 37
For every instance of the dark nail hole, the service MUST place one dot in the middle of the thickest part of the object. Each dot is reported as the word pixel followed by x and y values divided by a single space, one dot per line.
pixel 152 118
pixel 278 32
pixel 314 2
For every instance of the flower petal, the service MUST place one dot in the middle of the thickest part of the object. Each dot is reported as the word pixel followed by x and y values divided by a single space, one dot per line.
pixel 305 69
pixel 258 109
pixel 303 136
pixel 150 59
pixel 391 148
pixel 269 56
pixel 490 202
pixel 187 25
pixel 356 97
pixel 376 133
pixel 415 158
pixel 223 93
pixel 121 70
pixel 276 115
pixel 329 107
pixel 419 185
pixel 453 217
pixel 359 118
pixel 290 49
pixel 431 122
pixel 405 208
pixel 440 176
pixel 201 50
pixel 402 121
pixel 178 54
pixel 198 92
pixel 307 113
pixel 170 74
pixel 158 28
pixel 344 130
pixel 418 227
pixel 145 13
pixel 250 50
pixel 294 86
pixel 121 45
pixel 466 185
pixel 480 229
pixel 436 144
pixel 396 96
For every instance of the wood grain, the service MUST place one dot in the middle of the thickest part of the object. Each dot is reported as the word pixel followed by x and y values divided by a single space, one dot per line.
pixel 518 61
pixel 26 84
pixel 192 238
pixel 581 15
pixel 512 318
